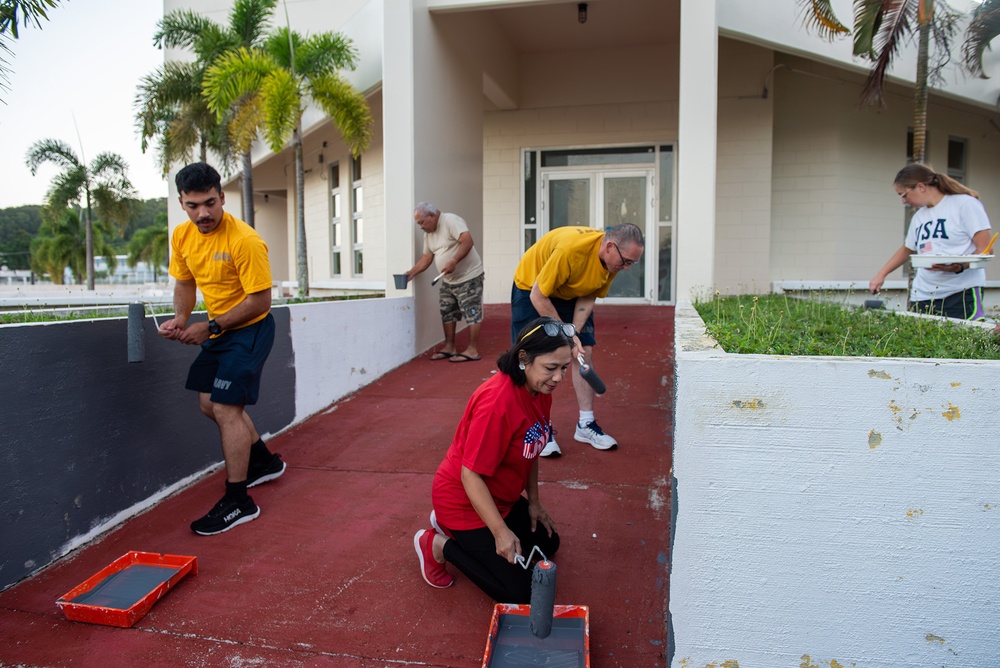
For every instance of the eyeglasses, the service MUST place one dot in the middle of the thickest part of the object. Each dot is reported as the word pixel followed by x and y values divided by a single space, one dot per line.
pixel 553 329
pixel 625 263
pixel 906 192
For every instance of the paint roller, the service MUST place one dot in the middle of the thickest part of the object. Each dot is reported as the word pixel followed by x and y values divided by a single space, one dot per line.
pixel 136 341
pixel 437 278
pixel 543 593
pixel 588 374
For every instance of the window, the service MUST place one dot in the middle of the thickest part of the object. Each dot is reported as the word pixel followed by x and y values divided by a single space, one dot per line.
pixel 957 151
pixel 909 146
pixel 357 217
pixel 336 228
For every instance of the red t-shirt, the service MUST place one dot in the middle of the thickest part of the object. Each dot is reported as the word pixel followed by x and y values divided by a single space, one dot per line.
pixel 500 436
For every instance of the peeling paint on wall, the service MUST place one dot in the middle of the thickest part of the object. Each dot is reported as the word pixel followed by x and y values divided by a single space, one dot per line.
pixel 832 663
pixel 913 513
pixel 933 638
pixel 874 439
pixel 881 375
pixel 955 384
pixel 989 506
pixel 952 413
pixel 730 663
pixel 753 404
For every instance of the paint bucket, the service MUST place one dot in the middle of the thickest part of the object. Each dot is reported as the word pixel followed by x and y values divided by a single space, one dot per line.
pixel 400 281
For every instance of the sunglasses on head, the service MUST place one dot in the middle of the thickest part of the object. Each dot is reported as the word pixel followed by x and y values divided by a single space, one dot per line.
pixel 553 329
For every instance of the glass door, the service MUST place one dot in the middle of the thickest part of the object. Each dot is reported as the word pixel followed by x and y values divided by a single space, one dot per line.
pixel 568 200
pixel 626 199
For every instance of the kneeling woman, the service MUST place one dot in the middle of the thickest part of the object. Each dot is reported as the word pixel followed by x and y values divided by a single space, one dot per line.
pixel 485 493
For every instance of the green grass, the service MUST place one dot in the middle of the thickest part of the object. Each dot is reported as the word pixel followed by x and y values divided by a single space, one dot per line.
pixel 784 325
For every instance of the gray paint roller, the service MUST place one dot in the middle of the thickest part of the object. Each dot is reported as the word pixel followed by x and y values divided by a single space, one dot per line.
pixel 543 598
pixel 588 374
pixel 136 341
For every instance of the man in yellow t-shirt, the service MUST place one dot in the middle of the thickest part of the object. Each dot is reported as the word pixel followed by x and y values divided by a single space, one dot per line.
pixel 562 276
pixel 227 260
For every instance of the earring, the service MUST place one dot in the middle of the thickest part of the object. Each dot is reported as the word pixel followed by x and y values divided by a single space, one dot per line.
pixel 521 367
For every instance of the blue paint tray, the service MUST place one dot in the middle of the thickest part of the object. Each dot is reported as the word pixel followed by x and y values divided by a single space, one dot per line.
pixel 511 642
pixel 122 592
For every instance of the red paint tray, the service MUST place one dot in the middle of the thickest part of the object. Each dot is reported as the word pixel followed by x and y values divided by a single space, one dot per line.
pixel 511 642
pixel 122 592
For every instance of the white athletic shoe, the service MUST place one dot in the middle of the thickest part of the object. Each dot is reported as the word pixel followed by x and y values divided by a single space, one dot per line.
pixel 551 449
pixel 594 435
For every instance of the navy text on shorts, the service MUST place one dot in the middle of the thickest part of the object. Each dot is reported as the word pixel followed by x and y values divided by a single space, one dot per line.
pixel 229 366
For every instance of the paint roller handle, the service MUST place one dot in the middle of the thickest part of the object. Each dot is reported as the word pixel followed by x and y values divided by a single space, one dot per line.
pixel 588 374
pixel 986 251
pixel 437 278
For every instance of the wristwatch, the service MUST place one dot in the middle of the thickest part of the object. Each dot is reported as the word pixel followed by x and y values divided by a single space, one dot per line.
pixel 214 328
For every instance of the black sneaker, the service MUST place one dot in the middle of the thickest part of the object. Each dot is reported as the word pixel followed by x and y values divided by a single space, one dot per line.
pixel 258 473
pixel 226 514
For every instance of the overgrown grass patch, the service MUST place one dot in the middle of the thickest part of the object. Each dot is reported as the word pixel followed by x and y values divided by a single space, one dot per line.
pixel 785 325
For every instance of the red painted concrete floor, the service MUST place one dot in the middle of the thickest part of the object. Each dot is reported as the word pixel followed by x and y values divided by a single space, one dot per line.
pixel 327 575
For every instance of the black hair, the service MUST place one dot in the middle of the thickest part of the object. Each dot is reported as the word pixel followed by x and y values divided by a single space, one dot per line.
pixel 532 344
pixel 198 177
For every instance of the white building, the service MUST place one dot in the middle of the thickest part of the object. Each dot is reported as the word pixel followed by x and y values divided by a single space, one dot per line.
pixel 727 132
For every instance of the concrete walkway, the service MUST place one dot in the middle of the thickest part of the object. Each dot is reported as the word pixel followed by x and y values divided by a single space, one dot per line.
pixel 327 575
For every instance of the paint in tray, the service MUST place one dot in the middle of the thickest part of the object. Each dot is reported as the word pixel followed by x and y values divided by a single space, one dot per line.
pixel 122 592
pixel 512 644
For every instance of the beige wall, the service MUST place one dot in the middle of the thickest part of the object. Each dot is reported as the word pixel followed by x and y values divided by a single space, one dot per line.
pixel 835 214
pixel 743 177
pixel 571 111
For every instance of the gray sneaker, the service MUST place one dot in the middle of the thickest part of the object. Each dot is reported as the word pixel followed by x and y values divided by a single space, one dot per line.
pixel 594 435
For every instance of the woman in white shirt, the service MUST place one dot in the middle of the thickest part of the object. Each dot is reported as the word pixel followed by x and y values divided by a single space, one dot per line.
pixel 950 220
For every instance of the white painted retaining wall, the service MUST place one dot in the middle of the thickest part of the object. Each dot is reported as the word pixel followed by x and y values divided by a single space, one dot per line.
pixel 341 349
pixel 833 511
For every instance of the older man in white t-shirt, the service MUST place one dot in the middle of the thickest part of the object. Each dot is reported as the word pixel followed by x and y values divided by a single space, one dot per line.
pixel 448 243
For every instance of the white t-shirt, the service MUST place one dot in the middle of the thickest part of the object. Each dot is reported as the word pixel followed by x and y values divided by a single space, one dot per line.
pixel 443 243
pixel 946 229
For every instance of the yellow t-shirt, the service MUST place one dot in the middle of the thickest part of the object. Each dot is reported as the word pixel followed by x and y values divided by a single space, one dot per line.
pixel 565 265
pixel 227 264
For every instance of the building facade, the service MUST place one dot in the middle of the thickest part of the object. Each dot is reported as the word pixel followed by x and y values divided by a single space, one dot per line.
pixel 727 132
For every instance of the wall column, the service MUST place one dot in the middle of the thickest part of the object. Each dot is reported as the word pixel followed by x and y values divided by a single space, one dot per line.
pixel 696 148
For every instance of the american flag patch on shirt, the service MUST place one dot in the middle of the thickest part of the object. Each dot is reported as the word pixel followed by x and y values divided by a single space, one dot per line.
pixel 924 247
pixel 535 439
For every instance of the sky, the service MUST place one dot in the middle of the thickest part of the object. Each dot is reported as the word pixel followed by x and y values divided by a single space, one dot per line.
pixel 85 63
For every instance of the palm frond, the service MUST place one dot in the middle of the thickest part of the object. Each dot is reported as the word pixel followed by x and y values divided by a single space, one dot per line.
pixel 234 75
pixel 32 11
pixel 281 44
pixel 326 52
pixel 346 106
pixel 869 17
pixel 67 188
pixel 983 28
pixel 818 16
pixel 245 123
pixel 893 26
pixel 249 18
pixel 51 150
pixel 181 29
pixel 281 102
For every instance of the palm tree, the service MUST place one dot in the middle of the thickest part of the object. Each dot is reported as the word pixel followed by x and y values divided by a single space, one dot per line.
pixel 31 11
pixel 882 26
pixel 169 104
pixel 62 242
pixel 103 185
pixel 150 245
pixel 281 79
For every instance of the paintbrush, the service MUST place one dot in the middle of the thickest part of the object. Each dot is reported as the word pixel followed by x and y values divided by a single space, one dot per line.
pixel 990 244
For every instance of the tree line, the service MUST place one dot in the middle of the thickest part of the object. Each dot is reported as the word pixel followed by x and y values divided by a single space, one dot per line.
pixel 32 237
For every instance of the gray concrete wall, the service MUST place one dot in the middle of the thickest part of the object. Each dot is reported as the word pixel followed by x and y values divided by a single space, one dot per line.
pixel 88 439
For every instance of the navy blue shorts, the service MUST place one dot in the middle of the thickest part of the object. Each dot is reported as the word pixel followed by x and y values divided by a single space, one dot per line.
pixel 522 311
pixel 964 305
pixel 230 365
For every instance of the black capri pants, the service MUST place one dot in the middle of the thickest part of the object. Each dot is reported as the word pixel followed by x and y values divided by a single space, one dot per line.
pixel 474 552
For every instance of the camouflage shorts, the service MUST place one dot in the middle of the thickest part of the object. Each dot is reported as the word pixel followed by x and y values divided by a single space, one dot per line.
pixel 462 301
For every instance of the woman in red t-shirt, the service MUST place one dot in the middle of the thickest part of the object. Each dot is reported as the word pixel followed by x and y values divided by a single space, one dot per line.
pixel 482 519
